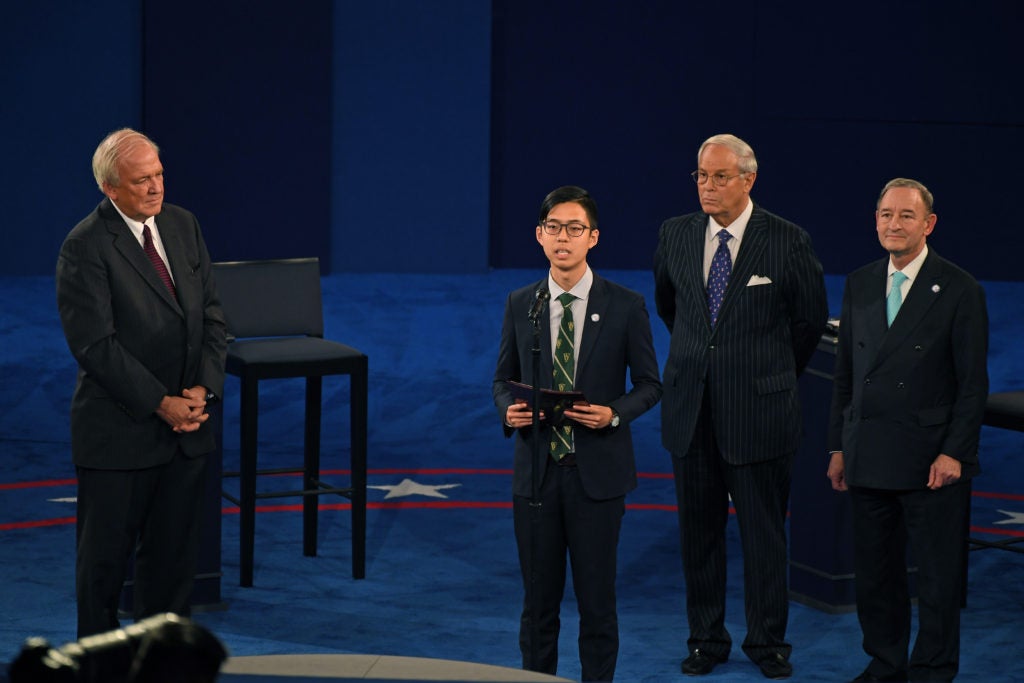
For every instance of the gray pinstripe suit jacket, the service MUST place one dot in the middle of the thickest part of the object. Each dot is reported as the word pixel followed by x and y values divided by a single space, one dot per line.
pixel 765 335
pixel 133 341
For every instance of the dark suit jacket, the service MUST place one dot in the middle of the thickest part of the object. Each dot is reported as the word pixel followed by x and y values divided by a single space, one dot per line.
pixel 764 338
pixel 619 340
pixel 133 341
pixel 905 394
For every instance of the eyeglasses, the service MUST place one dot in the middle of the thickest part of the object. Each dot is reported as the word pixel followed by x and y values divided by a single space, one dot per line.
pixel 572 229
pixel 719 179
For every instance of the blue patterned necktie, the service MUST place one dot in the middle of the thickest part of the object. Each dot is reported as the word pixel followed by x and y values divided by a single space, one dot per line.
pixel 563 374
pixel 718 276
pixel 895 298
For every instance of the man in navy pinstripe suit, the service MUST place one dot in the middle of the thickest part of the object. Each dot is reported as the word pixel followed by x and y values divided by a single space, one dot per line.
pixel 730 411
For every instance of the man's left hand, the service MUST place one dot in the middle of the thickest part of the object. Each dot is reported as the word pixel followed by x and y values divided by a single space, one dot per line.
pixel 590 415
pixel 944 471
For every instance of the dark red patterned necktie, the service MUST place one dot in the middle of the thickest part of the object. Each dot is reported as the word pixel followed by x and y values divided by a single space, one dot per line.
pixel 154 257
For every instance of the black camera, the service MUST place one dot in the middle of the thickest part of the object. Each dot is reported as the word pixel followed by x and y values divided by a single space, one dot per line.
pixel 164 648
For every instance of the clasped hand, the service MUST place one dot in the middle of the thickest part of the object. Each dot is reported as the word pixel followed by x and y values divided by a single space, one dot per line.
pixel 184 413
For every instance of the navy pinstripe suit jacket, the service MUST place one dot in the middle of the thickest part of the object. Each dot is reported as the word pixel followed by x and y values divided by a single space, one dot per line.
pixel 765 335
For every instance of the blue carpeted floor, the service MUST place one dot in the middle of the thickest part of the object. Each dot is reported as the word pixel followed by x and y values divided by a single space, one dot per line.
pixel 442 575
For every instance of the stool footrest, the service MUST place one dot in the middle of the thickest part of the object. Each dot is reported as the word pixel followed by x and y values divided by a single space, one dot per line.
pixel 1006 544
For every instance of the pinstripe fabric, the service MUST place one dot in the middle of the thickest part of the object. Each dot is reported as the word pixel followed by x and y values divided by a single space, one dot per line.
pixel 765 335
pixel 730 413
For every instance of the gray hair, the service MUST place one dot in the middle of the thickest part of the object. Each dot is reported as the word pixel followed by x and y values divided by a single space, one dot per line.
pixel 747 160
pixel 110 151
pixel 926 196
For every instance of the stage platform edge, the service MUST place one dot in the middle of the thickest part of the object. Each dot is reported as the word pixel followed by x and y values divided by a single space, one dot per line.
pixel 337 668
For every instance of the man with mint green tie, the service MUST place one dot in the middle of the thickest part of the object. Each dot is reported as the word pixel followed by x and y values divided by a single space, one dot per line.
pixel 908 402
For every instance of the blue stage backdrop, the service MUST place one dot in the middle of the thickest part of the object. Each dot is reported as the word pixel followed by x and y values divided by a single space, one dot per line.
pixel 402 136
pixel 835 98
pixel 61 90
pixel 409 176
pixel 238 96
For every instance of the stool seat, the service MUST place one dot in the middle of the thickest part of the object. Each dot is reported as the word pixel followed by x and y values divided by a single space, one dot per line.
pixel 1005 410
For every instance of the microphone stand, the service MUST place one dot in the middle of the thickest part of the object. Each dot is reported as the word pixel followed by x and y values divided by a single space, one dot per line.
pixel 535 502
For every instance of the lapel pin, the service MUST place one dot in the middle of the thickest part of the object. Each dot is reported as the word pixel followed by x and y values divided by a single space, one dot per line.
pixel 936 288
pixel 595 317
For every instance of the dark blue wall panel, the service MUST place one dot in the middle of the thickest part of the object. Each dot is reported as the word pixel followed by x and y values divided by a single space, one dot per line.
pixel 410 174
pixel 238 96
pixel 69 74
pixel 410 136
pixel 603 95
pixel 835 98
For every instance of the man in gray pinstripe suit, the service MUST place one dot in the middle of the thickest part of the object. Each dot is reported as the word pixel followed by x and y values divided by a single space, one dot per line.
pixel 730 412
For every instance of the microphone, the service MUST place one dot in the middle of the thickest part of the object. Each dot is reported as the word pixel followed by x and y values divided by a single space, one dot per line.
pixel 540 297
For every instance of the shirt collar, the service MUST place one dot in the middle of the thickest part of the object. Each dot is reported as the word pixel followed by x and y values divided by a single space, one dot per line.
pixel 580 290
pixel 911 269
pixel 134 225
pixel 736 228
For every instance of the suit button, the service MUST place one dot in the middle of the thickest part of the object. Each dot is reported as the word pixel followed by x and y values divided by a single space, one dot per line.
pixel 711 347
pixel 867 380
pixel 917 347
pixel 899 385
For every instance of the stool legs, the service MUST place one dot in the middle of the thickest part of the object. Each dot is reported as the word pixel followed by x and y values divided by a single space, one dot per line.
pixel 359 387
pixel 247 478
pixel 311 465
pixel 358 412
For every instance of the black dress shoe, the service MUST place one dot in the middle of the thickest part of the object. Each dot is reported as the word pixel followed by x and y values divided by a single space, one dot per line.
pixel 700 663
pixel 775 666
pixel 868 677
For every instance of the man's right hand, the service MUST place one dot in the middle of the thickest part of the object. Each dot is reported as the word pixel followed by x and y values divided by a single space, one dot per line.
pixel 182 413
pixel 519 415
pixel 837 471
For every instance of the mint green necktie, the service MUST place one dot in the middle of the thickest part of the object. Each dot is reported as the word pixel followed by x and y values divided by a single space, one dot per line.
pixel 564 371
pixel 895 298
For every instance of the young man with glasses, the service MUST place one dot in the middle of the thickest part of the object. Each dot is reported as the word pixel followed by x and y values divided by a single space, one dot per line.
pixel 586 338
pixel 743 296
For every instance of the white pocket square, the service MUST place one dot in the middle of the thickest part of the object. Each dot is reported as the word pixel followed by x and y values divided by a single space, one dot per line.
pixel 756 280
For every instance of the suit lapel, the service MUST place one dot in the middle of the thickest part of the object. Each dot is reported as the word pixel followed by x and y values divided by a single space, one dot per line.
pixel 924 292
pixel 755 238
pixel 544 320
pixel 597 306
pixel 128 246
pixel 177 255
pixel 691 243
pixel 874 306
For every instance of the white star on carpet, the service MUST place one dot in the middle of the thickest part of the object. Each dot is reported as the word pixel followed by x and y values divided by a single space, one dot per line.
pixel 407 487
pixel 1014 517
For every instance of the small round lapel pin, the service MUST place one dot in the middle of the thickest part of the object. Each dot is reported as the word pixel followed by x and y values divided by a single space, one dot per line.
pixel 936 288
pixel 595 317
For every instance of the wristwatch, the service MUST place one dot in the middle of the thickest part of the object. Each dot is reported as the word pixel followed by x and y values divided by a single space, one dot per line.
pixel 615 419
